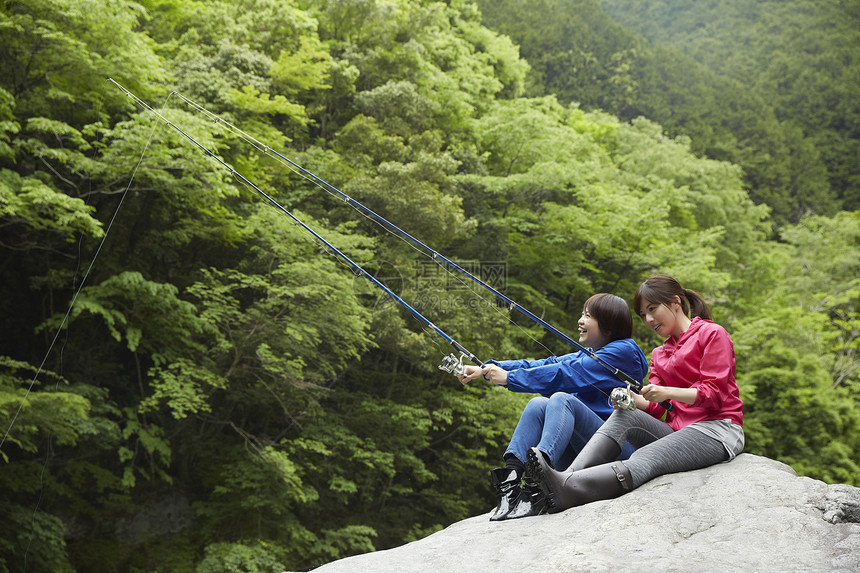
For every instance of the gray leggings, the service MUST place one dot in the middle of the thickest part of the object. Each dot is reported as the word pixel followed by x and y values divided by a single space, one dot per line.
pixel 660 449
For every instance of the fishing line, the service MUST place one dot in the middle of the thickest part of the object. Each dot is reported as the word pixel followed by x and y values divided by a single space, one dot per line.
pixel 82 283
pixel 448 265
pixel 363 211
pixel 60 329
pixel 323 247
pixel 62 350
pixel 464 353
pixel 371 216
pixel 450 362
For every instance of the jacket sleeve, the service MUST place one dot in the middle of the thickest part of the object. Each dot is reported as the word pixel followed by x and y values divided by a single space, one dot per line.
pixel 517 364
pixel 653 408
pixel 576 372
pixel 715 369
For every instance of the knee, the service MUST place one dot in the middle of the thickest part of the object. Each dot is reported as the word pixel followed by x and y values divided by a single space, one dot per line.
pixel 621 415
pixel 569 402
pixel 560 397
pixel 558 402
pixel 536 405
pixel 617 423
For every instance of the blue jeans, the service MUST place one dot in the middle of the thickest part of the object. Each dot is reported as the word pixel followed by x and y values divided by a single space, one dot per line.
pixel 559 426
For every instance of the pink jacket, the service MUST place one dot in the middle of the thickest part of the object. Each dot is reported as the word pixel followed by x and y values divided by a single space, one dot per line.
pixel 702 358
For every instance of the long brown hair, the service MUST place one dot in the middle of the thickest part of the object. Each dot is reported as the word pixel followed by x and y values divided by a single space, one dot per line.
pixel 663 289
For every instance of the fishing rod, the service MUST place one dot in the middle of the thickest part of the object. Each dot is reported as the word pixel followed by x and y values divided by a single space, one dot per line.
pixel 450 364
pixel 420 246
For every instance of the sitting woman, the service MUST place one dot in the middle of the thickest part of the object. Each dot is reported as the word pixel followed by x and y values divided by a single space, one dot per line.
pixel 574 402
pixel 694 370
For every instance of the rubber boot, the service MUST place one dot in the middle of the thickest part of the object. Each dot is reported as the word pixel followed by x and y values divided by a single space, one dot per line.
pixel 506 483
pixel 598 450
pixel 531 501
pixel 564 490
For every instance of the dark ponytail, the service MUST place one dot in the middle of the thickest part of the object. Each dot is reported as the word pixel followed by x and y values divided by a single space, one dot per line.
pixel 698 306
pixel 663 289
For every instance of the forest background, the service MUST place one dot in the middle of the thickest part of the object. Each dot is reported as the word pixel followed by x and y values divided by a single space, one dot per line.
pixel 224 395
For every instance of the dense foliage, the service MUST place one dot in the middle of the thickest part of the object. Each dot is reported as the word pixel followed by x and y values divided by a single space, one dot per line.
pixel 224 394
pixel 768 86
pixel 799 56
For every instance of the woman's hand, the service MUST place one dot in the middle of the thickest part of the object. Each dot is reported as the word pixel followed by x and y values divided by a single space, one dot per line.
pixel 641 403
pixel 496 374
pixel 655 393
pixel 470 373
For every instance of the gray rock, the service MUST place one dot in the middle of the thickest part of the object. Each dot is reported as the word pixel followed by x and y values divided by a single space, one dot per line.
pixel 751 514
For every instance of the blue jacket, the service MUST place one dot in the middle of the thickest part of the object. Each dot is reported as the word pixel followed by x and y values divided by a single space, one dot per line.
pixel 578 374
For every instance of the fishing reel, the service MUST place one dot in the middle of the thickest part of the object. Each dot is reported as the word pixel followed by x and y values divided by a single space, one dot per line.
pixel 451 364
pixel 622 398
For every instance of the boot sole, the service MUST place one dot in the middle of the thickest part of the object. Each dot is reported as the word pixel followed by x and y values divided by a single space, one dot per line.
pixel 535 472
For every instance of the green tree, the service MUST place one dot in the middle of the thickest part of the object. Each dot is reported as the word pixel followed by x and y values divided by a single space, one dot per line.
pixel 797 56
pixel 799 351
pixel 579 54
pixel 228 394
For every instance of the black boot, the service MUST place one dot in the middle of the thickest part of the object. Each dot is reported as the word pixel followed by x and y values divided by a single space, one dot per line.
pixel 531 501
pixel 506 482
pixel 564 490
pixel 598 450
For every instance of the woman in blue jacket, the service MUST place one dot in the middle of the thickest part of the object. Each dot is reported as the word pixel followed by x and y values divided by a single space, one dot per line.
pixel 574 400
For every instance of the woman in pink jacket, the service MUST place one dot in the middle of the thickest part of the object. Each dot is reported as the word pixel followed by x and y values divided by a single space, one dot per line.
pixel 694 371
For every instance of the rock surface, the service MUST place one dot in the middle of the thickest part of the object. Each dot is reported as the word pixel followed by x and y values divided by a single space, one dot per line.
pixel 751 514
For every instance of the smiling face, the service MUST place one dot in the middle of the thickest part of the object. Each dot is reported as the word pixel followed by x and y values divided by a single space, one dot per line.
pixel 589 332
pixel 664 319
